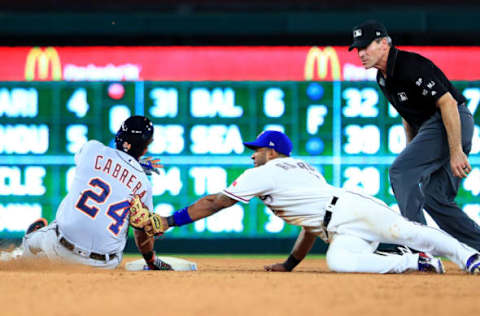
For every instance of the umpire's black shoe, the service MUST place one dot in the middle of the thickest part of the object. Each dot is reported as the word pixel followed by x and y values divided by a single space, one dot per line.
pixel 39 223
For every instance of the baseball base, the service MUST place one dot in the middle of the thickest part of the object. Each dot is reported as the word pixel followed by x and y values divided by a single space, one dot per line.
pixel 177 264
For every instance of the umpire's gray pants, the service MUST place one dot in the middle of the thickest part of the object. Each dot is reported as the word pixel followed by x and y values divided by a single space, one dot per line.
pixel 421 178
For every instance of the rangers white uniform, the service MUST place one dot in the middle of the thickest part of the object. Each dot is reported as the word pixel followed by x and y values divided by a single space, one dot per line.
pixel 91 224
pixel 298 193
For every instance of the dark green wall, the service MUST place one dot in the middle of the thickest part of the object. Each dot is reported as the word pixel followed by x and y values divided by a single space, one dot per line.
pixel 407 25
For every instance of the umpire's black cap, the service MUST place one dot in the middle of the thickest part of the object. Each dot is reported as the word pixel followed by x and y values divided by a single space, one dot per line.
pixel 366 32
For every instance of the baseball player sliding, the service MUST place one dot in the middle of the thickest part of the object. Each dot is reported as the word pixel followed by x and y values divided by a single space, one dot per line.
pixel 91 224
pixel 352 223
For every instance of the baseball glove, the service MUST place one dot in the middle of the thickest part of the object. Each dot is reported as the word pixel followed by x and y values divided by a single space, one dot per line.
pixel 141 218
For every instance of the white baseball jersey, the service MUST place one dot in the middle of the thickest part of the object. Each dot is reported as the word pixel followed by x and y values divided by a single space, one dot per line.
pixel 291 188
pixel 94 214
pixel 297 193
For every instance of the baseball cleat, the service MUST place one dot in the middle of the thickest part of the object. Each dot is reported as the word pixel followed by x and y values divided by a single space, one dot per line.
pixel 398 250
pixel 39 223
pixel 428 263
pixel 157 264
pixel 473 264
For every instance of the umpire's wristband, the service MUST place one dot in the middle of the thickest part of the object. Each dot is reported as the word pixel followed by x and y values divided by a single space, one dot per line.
pixel 291 263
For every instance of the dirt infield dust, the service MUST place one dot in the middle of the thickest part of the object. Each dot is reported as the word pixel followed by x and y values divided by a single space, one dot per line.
pixel 231 286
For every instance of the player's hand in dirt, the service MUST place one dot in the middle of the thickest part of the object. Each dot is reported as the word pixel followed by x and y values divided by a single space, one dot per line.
pixel 277 267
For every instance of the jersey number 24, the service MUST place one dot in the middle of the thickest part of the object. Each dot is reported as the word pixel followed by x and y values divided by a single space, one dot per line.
pixel 117 211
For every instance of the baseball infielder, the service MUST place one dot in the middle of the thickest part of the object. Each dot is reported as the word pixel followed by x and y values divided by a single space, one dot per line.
pixel 91 224
pixel 354 224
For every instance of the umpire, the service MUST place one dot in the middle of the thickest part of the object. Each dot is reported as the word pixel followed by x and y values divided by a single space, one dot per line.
pixel 439 130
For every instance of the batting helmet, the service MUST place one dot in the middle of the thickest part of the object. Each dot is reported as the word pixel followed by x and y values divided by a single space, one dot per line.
pixel 134 135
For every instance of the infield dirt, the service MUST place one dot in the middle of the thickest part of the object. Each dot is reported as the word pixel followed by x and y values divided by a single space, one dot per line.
pixel 231 286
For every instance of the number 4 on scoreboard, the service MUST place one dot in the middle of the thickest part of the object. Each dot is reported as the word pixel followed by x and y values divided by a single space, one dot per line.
pixel 77 103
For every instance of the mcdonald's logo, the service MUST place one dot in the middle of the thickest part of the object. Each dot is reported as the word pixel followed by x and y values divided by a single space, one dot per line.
pixel 42 62
pixel 322 58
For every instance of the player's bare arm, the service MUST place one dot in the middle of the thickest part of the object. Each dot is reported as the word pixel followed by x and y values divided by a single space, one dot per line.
pixel 302 247
pixel 409 131
pixel 204 207
pixel 451 120
pixel 209 205
pixel 143 241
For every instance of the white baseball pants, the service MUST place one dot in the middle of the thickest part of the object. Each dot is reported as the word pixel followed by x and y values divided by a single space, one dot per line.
pixel 359 223
pixel 45 243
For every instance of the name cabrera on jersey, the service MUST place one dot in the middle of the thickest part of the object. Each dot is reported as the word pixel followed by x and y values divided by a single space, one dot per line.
pixel 94 214
pixel 291 188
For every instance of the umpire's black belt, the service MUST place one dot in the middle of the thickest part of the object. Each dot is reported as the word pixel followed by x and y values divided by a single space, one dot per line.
pixel 93 255
pixel 329 210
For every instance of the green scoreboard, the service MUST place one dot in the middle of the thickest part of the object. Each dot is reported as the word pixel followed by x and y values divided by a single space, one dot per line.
pixel 345 129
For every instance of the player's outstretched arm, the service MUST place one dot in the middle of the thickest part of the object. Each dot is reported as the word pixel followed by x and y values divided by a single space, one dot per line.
pixel 204 207
pixel 300 250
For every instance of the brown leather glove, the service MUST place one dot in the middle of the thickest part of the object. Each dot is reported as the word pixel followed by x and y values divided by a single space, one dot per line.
pixel 141 218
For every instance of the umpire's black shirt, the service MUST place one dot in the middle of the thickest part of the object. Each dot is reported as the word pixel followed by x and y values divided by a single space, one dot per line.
pixel 413 86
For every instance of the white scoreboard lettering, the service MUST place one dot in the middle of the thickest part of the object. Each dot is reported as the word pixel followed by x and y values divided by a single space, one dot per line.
pixel 273 103
pixel 165 102
pixel 24 139
pixel 167 139
pixel 362 139
pixel 18 102
pixel 218 101
pixel 77 103
pixel 366 180
pixel 360 102
pixel 27 181
pixel 216 139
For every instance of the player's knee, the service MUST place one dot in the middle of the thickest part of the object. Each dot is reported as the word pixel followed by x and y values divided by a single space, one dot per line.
pixel 340 261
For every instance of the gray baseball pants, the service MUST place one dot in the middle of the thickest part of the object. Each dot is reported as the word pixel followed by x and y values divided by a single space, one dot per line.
pixel 421 178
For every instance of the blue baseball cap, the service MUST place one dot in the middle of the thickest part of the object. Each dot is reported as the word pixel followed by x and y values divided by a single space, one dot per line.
pixel 272 139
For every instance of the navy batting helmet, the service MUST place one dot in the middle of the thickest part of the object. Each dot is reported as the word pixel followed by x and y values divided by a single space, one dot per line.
pixel 134 135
